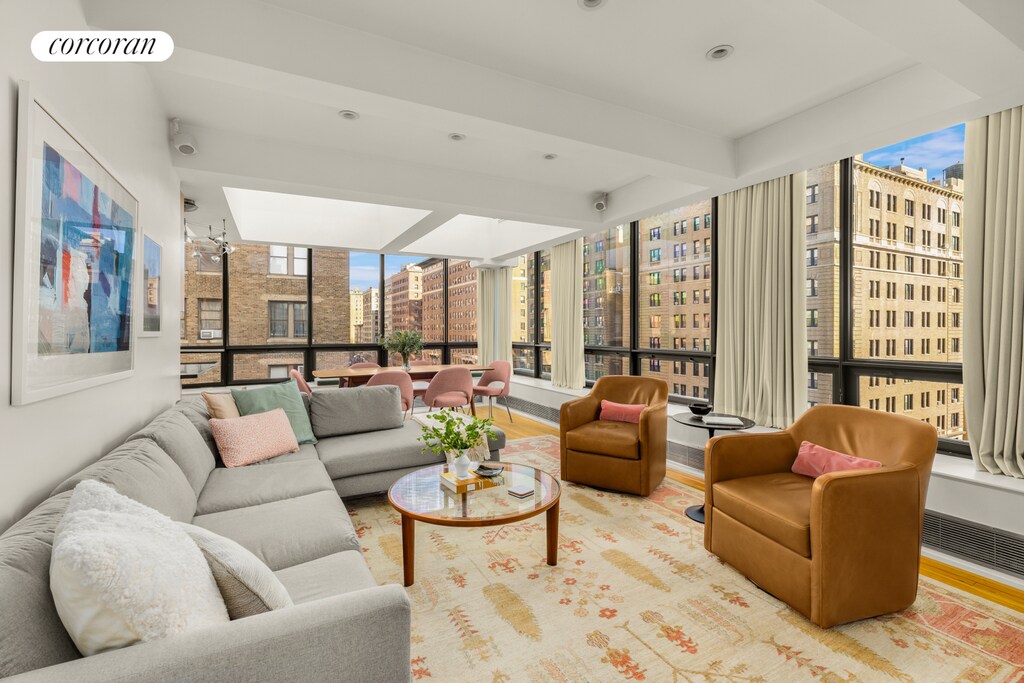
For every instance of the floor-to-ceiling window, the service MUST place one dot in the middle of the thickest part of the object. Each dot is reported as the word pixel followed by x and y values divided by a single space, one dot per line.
pixel 606 300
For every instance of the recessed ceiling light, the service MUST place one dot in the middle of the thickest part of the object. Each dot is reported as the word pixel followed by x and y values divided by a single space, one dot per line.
pixel 591 4
pixel 550 157
pixel 719 52
pixel 348 114
pixel 456 137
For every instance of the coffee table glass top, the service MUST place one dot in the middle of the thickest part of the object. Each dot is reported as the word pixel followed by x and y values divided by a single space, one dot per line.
pixel 421 495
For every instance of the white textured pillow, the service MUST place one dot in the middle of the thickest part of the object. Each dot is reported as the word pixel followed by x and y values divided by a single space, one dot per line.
pixel 123 573
pixel 246 584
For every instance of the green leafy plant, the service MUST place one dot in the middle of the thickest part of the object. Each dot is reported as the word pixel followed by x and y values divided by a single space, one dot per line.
pixel 403 342
pixel 447 433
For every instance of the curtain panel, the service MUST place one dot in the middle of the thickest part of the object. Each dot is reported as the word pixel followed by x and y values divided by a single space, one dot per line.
pixel 993 247
pixel 494 314
pixel 761 341
pixel 567 369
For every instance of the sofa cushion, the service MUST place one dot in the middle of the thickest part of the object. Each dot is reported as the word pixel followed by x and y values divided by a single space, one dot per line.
pixel 774 505
pixel 229 488
pixel 619 439
pixel 140 470
pixel 177 437
pixel 247 586
pixel 286 396
pixel 287 532
pixel 31 633
pixel 335 412
pixel 391 449
pixel 307 451
pixel 331 575
pixel 195 410
pixel 122 573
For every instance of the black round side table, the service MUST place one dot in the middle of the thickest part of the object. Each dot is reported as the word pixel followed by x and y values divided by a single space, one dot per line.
pixel 696 512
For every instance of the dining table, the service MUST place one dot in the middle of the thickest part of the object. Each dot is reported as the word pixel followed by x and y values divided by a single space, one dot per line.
pixel 357 376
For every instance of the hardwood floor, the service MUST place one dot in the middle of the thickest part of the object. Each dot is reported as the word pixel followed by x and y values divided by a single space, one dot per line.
pixel 523 427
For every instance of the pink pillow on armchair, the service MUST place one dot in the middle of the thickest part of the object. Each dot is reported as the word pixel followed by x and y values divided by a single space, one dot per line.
pixel 813 461
pixel 252 438
pixel 621 412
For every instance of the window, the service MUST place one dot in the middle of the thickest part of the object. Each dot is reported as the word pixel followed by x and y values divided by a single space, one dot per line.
pixel 655 255
pixel 605 320
pixel 287 319
pixel 278 260
pixel 812 225
pixel 812 194
pixel 655 233
pixel 278 319
pixel 922 271
pixel 689 306
pixel 211 324
pixel 812 318
pixel 812 257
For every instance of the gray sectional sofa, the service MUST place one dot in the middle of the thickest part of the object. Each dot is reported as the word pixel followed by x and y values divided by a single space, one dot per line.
pixel 286 510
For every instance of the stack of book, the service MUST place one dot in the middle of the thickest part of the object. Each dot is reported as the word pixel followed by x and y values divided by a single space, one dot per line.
pixel 470 483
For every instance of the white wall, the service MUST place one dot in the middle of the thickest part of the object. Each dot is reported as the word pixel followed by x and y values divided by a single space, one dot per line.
pixel 115 109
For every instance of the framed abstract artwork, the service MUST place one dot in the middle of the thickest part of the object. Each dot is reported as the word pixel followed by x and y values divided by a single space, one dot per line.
pixel 76 229
pixel 151 255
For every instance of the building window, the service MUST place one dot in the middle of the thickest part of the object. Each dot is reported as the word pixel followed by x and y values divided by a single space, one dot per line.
pixel 812 225
pixel 812 256
pixel 812 194
pixel 278 260
pixel 211 322
pixel 655 255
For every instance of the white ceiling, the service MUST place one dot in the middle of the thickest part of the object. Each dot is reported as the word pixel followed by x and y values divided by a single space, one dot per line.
pixel 623 95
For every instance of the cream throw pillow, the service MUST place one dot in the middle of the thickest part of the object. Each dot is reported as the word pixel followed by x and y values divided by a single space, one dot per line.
pixel 122 573
pixel 221 405
pixel 246 584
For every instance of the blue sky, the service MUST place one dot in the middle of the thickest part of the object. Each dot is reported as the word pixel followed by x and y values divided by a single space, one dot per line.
pixel 935 151
pixel 364 268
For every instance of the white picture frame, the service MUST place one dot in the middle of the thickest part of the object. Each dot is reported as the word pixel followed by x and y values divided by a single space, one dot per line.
pixel 74 259
pixel 151 288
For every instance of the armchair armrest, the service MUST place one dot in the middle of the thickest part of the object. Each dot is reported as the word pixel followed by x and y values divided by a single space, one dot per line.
pixel 732 456
pixel 358 636
pixel 865 542
pixel 577 412
pixel 654 427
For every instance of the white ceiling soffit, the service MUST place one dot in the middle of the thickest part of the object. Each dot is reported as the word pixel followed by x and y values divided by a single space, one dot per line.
pixel 315 221
pixel 486 238
pixel 623 96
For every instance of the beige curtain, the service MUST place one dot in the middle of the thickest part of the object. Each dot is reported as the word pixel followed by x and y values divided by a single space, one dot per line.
pixel 494 314
pixel 761 366
pixel 567 315
pixel 993 244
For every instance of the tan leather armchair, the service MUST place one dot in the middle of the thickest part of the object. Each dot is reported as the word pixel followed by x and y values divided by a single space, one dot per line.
pixel 842 547
pixel 620 456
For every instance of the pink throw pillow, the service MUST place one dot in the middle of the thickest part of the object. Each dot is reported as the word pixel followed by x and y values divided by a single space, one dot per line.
pixel 621 412
pixel 813 461
pixel 252 438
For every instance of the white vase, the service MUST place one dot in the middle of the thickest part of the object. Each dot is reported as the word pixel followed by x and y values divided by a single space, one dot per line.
pixel 461 466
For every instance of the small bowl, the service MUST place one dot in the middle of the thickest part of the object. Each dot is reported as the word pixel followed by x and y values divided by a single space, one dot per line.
pixel 701 409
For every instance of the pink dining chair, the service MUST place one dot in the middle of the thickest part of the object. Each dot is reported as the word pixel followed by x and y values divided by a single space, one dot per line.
pixel 499 374
pixel 450 388
pixel 400 379
pixel 419 387
pixel 301 381
pixel 360 365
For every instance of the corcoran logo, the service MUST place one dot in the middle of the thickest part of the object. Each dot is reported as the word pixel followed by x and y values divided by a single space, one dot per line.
pixel 102 46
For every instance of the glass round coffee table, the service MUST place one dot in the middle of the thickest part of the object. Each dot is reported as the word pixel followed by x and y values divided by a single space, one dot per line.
pixel 420 496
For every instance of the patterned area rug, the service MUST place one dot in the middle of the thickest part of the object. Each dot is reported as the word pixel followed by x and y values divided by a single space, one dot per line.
pixel 635 597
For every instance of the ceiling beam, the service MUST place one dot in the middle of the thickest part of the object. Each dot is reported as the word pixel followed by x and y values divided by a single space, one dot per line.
pixel 424 227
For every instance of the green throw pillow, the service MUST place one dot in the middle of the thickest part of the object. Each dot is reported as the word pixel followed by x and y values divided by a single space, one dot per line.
pixel 285 395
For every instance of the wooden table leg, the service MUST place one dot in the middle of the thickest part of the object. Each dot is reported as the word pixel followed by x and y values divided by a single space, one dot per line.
pixel 408 548
pixel 553 535
pixel 472 406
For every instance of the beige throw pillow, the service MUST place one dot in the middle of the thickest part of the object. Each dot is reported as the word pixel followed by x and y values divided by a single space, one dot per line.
pixel 221 405
pixel 246 584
